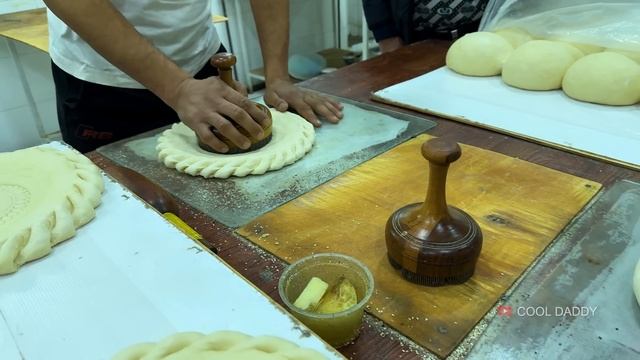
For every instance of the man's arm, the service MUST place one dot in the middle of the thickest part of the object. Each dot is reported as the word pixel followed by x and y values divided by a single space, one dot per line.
pixel 199 103
pixel 272 22
pixel 380 21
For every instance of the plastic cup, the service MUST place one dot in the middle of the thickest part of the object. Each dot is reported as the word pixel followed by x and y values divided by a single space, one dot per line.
pixel 340 328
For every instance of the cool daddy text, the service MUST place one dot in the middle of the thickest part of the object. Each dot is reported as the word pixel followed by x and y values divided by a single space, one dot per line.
pixel 559 311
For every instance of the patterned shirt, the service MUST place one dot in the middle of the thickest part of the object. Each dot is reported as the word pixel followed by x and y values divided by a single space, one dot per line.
pixel 441 15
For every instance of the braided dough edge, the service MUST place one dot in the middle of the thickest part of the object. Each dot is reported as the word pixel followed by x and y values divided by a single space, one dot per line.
pixel 185 156
pixel 218 345
pixel 61 221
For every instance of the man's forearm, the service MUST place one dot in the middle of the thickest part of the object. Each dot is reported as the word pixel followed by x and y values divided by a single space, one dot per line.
pixel 104 28
pixel 272 22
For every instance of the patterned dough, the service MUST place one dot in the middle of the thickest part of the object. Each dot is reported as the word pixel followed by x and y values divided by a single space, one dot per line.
pixel 222 345
pixel 292 138
pixel 45 195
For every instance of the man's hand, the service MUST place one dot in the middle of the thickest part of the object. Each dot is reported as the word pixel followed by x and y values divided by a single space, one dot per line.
pixel 201 104
pixel 272 22
pixel 282 94
pixel 390 44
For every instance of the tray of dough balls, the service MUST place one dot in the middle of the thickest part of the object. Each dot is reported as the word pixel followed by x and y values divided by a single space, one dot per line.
pixel 576 97
pixel 89 271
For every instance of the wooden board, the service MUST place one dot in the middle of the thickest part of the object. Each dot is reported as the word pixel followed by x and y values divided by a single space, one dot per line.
pixel 521 207
pixel 590 267
pixel 30 27
pixel 609 133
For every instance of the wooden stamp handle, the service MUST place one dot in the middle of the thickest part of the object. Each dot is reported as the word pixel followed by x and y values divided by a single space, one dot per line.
pixel 224 62
pixel 440 153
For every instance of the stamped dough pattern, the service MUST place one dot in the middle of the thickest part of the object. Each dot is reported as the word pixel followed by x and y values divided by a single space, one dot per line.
pixel 292 138
pixel 221 345
pixel 13 200
pixel 45 195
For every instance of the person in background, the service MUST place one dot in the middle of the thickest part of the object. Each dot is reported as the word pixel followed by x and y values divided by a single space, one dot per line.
pixel 123 67
pixel 396 23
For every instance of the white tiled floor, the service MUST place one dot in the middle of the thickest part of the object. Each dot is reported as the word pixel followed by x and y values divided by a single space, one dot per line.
pixel 48 115
pixel 18 129
pixel 19 122
pixel 22 48
pixel 11 92
pixel 37 69
pixel 4 49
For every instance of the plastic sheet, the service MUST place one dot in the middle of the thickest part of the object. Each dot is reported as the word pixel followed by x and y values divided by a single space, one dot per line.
pixel 606 23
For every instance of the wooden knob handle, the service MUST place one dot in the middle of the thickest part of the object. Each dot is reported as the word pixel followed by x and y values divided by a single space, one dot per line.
pixel 440 151
pixel 224 62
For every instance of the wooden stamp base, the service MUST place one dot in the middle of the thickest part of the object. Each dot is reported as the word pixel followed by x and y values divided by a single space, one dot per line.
pixel 233 149
pixel 236 150
pixel 447 255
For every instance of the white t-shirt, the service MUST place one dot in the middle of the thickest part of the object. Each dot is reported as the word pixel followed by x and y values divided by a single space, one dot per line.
pixel 181 29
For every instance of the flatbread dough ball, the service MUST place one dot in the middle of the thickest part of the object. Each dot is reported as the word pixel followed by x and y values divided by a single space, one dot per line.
pixel 633 55
pixel 478 54
pixel 586 48
pixel 604 78
pixel 539 65
pixel 515 36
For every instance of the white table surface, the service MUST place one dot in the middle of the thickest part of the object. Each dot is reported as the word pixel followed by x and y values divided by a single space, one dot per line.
pixel 549 117
pixel 129 276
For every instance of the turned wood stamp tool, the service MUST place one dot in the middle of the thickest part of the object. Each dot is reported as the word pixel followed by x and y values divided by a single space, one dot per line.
pixel 432 243
pixel 224 62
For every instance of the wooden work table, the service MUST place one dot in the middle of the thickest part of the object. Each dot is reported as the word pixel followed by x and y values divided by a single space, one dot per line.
pixel 357 82
pixel 29 27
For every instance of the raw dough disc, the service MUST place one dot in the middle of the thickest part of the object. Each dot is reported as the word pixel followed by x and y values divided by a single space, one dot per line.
pixel 515 36
pixel 478 54
pixel 539 65
pixel 604 78
pixel 636 282
pixel 222 345
pixel 292 138
pixel 45 195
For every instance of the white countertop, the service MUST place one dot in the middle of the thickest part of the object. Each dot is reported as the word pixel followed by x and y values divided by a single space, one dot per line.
pixel 129 276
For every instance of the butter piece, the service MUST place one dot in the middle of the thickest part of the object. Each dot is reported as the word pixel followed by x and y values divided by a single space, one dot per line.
pixel 311 295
